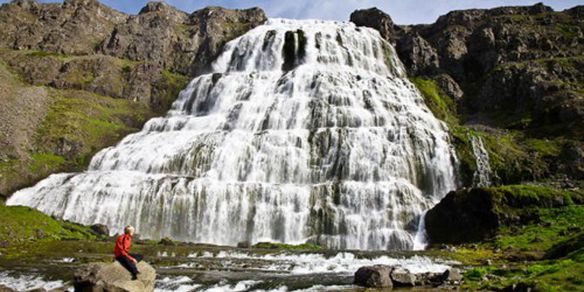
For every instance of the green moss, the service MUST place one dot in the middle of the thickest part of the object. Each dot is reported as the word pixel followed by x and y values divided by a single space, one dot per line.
pixel 552 226
pixel 22 224
pixel 44 54
pixel 81 123
pixel 171 84
pixel 42 161
pixel 275 245
pixel 567 30
pixel 441 105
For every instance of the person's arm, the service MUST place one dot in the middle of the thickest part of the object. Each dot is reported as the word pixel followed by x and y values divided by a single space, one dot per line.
pixel 126 248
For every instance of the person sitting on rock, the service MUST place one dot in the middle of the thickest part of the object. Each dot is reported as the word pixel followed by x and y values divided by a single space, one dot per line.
pixel 122 252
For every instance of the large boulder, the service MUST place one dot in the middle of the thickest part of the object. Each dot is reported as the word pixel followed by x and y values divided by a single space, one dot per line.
pixel 113 277
pixel 377 276
pixel 470 215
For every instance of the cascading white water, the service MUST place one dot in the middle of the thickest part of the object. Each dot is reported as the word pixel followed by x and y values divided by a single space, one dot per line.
pixel 305 131
pixel 483 173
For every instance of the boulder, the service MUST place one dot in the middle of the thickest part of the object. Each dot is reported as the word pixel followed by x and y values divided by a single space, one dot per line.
pixel 377 276
pixel 429 279
pixel 167 241
pixel 403 277
pixel 472 215
pixel 113 277
pixel 452 275
pixel 100 229
pixel 6 289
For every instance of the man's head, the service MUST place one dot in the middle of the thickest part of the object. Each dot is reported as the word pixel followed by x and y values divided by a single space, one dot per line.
pixel 129 230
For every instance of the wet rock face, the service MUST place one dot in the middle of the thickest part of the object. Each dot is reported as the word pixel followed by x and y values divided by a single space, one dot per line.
pixel 374 276
pixel 113 277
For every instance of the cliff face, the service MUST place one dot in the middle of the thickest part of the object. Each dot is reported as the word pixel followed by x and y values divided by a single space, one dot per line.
pixel 513 75
pixel 77 76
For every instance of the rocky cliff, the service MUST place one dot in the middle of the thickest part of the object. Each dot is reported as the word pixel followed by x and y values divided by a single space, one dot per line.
pixel 77 76
pixel 513 75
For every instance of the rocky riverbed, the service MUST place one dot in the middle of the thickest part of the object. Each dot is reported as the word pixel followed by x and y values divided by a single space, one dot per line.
pixel 51 265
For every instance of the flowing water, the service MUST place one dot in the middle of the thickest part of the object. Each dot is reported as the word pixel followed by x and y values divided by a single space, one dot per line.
pixel 483 173
pixel 304 131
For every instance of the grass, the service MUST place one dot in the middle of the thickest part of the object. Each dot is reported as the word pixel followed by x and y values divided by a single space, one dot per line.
pixel 86 122
pixel 524 255
pixel 22 225
pixel 439 103
pixel 43 161
pixel 552 226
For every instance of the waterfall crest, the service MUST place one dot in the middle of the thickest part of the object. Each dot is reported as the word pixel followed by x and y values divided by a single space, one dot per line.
pixel 304 131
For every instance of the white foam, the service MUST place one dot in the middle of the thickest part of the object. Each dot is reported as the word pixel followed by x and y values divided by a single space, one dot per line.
pixel 28 282
pixel 341 263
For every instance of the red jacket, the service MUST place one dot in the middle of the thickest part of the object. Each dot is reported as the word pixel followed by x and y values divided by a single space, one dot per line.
pixel 123 246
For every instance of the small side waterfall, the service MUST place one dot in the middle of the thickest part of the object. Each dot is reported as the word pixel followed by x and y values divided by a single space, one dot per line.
pixel 483 173
pixel 304 131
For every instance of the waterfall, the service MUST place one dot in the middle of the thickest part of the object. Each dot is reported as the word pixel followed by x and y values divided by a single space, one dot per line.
pixel 305 131
pixel 482 175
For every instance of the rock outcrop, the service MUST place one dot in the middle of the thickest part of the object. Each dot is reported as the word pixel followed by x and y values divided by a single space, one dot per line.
pixel 471 215
pixel 508 68
pixel 175 40
pixel 77 76
pixel 114 277
pixel 377 19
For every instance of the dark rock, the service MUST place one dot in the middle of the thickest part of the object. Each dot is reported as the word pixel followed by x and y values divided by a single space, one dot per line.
pixel 462 216
pixel 470 215
pixel 113 277
pixel 167 241
pixel 419 57
pixel 244 244
pixel 403 277
pixel 100 229
pixel 449 86
pixel 377 276
pixel 377 19
pixel 429 279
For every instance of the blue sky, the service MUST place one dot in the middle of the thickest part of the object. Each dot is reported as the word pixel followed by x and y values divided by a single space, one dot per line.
pixel 402 11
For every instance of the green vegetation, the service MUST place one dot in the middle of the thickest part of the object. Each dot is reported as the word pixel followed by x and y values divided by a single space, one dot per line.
pixel 80 123
pixel 170 84
pixel 439 103
pixel 41 162
pixel 21 225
